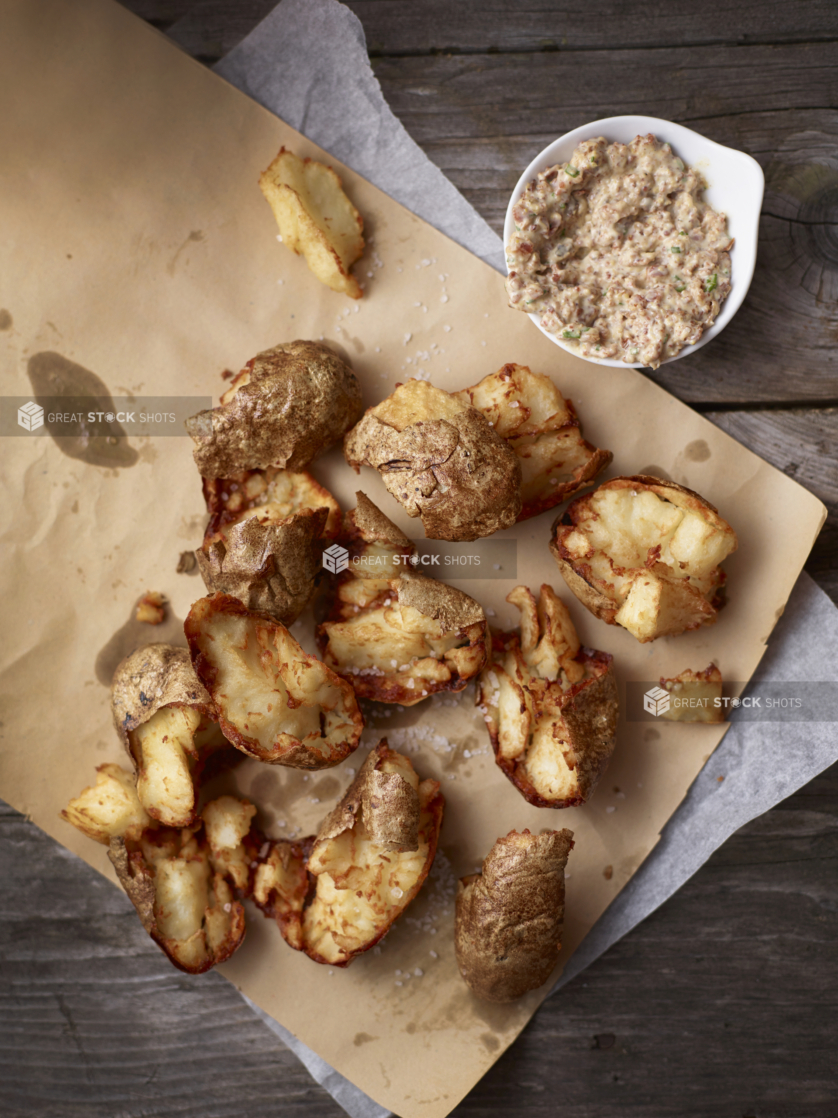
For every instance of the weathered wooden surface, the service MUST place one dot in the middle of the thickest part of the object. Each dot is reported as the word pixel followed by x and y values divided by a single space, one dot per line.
pixel 724 1000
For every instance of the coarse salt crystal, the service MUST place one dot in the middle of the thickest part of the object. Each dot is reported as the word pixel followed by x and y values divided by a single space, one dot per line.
pixel 490 613
pixel 447 329
pixel 608 810
pixel 228 907
pixel 444 299
pixel 434 955
pixel 399 983
pixel 419 972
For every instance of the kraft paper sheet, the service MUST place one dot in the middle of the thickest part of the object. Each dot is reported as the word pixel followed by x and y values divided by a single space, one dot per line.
pixel 137 244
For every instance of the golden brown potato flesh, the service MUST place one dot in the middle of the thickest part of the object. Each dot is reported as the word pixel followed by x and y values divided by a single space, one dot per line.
pixel 404 639
pixel 109 809
pixel 550 705
pixel 396 634
pixel 282 884
pixel 510 917
pixel 270 567
pixel 185 882
pixel 644 553
pixel 528 411
pixel 287 405
pixel 271 495
pixel 370 858
pixel 441 460
pixel 315 218
pixel 275 702
pixel 696 696
pixel 165 718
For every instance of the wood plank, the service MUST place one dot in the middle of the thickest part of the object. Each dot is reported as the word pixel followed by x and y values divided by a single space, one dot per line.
pixel 803 443
pixel 438 26
pixel 95 1022
pixel 417 26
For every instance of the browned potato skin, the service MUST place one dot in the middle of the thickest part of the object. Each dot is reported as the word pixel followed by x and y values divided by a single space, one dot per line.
pixel 137 879
pixel 578 575
pixel 510 917
pixel 589 709
pixel 287 405
pixel 227 498
pixel 521 433
pixel 393 818
pixel 451 607
pixel 460 476
pixel 298 756
pixel 272 567
pixel 153 677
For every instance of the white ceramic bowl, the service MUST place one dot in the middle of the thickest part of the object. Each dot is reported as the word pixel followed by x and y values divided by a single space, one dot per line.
pixel 735 185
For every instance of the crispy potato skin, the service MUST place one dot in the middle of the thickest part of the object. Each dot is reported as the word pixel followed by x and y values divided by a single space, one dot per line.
pixel 270 567
pixel 156 676
pixel 397 637
pixel 560 687
pixel 397 819
pixel 286 667
pixel 510 917
pixel 542 427
pixel 441 460
pixel 186 891
pixel 271 494
pixel 287 405
pixel 685 607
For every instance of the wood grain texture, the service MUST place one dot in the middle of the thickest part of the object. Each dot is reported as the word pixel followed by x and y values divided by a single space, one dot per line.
pixel 724 1000
pixel 708 1003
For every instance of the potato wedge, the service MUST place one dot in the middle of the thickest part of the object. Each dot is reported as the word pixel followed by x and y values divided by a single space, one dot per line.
pixel 275 702
pixel 510 917
pixel 166 720
pixel 441 460
pixel 528 411
pixel 370 858
pixel 396 634
pixel 315 218
pixel 550 705
pixel 286 406
pixel 184 883
pixel 696 696
pixel 282 884
pixel 644 553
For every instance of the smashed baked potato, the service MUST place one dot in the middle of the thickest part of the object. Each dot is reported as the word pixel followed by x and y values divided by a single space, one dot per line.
pixel 315 218
pixel 274 701
pixel 166 720
pixel 441 460
pixel 697 696
pixel 550 705
pixel 528 411
pixel 271 495
pixel 367 863
pixel 183 882
pixel 269 566
pixel 402 637
pixel 286 405
pixel 644 553
pixel 510 917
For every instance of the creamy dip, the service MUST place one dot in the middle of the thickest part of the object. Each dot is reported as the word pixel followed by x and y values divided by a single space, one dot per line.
pixel 618 254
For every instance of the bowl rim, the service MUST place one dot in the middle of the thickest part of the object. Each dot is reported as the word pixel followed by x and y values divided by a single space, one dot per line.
pixel 744 265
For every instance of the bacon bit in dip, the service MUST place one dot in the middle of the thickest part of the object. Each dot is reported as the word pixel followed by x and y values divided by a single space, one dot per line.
pixel 618 254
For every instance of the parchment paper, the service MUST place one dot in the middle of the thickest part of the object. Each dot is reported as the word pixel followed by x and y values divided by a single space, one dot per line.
pixel 138 246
